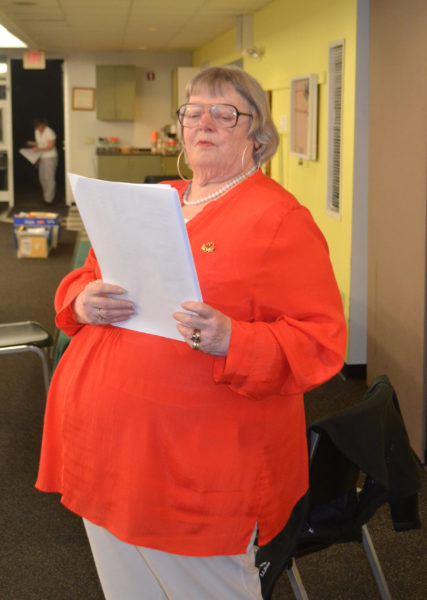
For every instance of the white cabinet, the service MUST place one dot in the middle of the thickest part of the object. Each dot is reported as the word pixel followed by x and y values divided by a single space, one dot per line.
pixel 180 77
pixel 115 92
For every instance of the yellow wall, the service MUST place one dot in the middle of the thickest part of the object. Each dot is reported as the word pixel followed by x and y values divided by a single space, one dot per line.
pixel 295 38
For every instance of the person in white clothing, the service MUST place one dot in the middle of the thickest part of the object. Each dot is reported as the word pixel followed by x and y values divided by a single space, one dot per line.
pixel 45 143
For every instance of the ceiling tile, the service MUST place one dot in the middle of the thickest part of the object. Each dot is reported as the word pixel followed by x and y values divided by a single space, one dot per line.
pixel 117 25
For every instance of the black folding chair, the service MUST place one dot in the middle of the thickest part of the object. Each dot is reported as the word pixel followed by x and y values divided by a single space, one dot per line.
pixel 27 336
pixel 368 440
pixel 159 178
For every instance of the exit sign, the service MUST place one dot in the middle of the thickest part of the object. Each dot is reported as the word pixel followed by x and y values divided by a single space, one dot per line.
pixel 34 60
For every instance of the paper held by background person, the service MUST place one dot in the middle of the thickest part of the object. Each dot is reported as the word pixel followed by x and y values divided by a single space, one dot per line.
pixel 31 155
pixel 139 237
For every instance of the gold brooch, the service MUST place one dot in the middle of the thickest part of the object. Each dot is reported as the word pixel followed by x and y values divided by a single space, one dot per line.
pixel 208 247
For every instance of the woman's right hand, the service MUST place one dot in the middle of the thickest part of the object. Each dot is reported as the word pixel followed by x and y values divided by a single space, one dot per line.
pixel 95 306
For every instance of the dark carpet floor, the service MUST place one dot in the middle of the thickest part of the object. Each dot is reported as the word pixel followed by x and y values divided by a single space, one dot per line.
pixel 43 551
pixel 44 554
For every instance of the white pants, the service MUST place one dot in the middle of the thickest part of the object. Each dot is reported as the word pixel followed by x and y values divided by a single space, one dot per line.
pixel 130 572
pixel 47 171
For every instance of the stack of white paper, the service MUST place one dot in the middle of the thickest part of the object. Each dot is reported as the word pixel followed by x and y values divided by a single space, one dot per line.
pixel 31 155
pixel 139 237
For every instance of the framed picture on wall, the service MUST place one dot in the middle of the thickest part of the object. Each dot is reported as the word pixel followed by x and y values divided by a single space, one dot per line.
pixel 303 121
pixel 83 98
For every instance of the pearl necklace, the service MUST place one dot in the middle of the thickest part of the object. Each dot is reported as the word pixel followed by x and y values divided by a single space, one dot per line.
pixel 219 192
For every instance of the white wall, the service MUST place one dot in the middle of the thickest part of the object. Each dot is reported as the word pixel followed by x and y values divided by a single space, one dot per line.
pixel 153 106
pixel 359 241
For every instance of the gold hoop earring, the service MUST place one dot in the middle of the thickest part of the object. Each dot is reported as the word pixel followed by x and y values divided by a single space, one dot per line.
pixel 177 166
pixel 250 172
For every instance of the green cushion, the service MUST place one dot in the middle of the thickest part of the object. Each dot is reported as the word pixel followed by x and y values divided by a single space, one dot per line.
pixel 63 340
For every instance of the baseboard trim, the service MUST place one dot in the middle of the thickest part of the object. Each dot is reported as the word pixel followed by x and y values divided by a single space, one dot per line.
pixel 353 371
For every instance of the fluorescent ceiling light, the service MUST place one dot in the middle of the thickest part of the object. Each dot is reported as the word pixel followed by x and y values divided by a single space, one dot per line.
pixel 8 40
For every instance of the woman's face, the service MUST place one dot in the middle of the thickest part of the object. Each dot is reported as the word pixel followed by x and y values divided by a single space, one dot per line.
pixel 215 150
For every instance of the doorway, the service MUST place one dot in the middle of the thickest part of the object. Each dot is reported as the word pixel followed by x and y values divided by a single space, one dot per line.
pixel 36 93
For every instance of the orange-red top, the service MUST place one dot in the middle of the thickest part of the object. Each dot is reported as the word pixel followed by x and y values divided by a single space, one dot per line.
pixel 180 450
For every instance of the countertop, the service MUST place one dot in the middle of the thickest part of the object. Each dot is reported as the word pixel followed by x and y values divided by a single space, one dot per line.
pixel 134 152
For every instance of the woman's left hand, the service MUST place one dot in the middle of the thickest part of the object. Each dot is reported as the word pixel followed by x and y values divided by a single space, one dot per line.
pixel 213 326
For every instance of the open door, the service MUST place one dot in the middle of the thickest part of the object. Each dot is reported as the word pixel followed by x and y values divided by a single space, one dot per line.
pixel 36 93
pixel 6 170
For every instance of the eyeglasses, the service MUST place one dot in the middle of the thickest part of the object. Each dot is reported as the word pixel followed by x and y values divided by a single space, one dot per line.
pixel 224 115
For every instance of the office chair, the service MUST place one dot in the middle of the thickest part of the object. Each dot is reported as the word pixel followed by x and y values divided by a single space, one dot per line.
pixel 27 336
pixel 368 440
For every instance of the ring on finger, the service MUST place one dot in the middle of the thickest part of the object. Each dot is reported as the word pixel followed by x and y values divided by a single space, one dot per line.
pixel 99 316
pixel 196 335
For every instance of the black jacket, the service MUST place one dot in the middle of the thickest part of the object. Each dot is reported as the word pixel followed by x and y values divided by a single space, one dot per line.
pixel 371 438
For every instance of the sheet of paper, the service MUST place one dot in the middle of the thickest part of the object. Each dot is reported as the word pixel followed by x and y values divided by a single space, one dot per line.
pixel 139 237
pixel 31 155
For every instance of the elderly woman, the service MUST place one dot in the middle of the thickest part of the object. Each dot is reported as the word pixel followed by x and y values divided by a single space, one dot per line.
pixel 177 454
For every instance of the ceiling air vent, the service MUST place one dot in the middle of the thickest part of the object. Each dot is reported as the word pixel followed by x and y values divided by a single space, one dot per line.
pixel 335 98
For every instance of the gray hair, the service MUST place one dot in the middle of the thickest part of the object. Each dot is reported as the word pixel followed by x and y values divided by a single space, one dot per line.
pixel 262 131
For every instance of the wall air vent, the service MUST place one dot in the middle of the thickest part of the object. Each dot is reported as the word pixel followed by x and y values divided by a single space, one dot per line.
pixel 335 112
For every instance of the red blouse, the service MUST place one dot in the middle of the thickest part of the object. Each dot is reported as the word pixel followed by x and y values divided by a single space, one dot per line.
pixel 183 451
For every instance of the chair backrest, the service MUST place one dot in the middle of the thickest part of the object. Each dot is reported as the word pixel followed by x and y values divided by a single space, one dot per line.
pixel 373 436
pixel 158 178
pixel 369 438
pixel 332 474
pixel 24 333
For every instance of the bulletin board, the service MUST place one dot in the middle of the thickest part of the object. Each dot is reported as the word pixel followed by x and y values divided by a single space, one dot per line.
pixel 83 98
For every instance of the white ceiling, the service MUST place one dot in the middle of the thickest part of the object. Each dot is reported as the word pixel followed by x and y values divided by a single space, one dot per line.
pixel 61 26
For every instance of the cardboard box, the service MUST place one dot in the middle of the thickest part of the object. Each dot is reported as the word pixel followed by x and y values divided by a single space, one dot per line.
pixel 33 242
pixel 41 219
